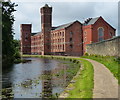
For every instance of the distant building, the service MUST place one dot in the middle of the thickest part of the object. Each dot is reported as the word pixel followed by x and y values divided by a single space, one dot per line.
pixel 67 39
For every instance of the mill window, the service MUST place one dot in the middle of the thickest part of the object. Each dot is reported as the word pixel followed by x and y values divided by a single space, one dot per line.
pixel 26 37
pixel 100 34
pixel 85 33
pixel 71 46
pixel 85 39
pixel 71 32
pixel 70 39
pixel 63 46
pixel 62 33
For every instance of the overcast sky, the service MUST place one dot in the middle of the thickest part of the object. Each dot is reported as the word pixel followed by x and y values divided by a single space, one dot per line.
pixel 64 12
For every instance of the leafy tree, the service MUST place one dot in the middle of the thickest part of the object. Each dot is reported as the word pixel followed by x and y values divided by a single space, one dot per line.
pixel 16 44
pixel 8 49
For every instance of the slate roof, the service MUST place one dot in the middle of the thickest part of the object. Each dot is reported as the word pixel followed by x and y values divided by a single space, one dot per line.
pixel 55 28
pixel 63 26
pixel 46 5
pixel 33 34
pixel 92 21
pixel 37 33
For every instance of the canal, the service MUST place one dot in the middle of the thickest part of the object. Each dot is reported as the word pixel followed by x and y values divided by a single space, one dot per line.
pixel 38 78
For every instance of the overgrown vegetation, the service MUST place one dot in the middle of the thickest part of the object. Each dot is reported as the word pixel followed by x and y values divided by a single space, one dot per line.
pixel 70 71
pixel 7 94
pixel 110 62
pixel 9 50
pixel 83 85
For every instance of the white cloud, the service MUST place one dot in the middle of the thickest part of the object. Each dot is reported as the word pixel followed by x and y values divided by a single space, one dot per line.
pixel 65 0
pixel 63 13
pixel 109 11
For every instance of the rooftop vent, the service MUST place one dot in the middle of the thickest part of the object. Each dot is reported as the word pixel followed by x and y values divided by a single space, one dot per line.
pixel 87 21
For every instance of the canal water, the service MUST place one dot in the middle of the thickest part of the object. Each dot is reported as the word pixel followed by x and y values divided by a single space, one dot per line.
pixel 37 78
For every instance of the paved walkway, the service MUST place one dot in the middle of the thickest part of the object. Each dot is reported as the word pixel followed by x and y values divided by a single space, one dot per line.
pixel 105 84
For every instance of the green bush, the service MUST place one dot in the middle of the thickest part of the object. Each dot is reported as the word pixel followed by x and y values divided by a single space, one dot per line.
pixel 86 54
pixel 117 59
pixel 74 61
pixel 17 55
pixel 70 59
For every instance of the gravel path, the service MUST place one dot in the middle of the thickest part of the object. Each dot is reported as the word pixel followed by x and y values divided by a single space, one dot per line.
pixel 105 84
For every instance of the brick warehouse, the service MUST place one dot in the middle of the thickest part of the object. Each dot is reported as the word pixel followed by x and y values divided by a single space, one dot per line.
pixel 67 39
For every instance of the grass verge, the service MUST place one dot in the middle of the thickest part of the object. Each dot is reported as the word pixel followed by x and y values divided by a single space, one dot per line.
pixel 82 84
pixel 110 62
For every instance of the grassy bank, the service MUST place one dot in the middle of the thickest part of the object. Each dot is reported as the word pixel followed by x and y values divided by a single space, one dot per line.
pixel 82 84
pixel 111 63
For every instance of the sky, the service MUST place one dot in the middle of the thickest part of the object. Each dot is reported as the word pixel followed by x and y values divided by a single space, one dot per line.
pixel 64 12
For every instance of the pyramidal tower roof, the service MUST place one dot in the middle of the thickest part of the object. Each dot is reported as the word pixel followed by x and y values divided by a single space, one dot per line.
pixel 46 5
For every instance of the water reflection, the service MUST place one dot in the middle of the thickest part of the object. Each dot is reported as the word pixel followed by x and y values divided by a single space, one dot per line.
pixel 46 84
pixel 40 78
pixel 59 78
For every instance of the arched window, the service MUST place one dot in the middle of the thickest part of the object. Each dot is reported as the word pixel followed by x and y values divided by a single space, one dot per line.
pixel 100 34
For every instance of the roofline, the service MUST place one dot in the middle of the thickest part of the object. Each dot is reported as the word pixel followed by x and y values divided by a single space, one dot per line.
pixel 67 26
pixel 105 22
pixel 90 20
pixel 58 30
pixel 73 23
pixel 25 24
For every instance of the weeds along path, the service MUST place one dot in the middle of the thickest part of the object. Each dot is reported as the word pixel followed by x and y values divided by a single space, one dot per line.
pixel 105 84
pixel 81 86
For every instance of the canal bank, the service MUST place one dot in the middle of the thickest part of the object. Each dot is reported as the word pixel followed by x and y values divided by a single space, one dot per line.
pixel 38 78
pixel 81 85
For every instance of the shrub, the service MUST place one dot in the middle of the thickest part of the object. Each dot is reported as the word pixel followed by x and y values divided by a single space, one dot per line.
pixel 74 60
pixel 96 55
pixel 86 54
pixel 70 59
pixel 117 59
pixel 17 55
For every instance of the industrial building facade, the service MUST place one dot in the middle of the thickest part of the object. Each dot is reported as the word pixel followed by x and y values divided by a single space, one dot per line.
pixel 68 39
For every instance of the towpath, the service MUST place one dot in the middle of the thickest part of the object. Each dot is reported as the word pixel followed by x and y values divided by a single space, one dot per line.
pixel 105 84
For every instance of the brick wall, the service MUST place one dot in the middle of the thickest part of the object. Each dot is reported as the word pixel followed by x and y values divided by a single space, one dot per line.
pixel 25 38
pixel 91 32
pixel 36 44
pixel 109 47
pixel 58 40
pixel 73 40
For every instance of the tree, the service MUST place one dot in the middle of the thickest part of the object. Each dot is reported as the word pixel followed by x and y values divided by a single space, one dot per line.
pixel 8 49
pixel 16 44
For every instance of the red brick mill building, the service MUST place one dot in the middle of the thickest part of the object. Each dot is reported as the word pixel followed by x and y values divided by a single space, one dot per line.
pixel 68 39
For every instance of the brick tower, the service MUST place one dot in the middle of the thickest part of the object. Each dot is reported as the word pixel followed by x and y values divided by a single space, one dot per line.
pixel 46 24
pixel 25 38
